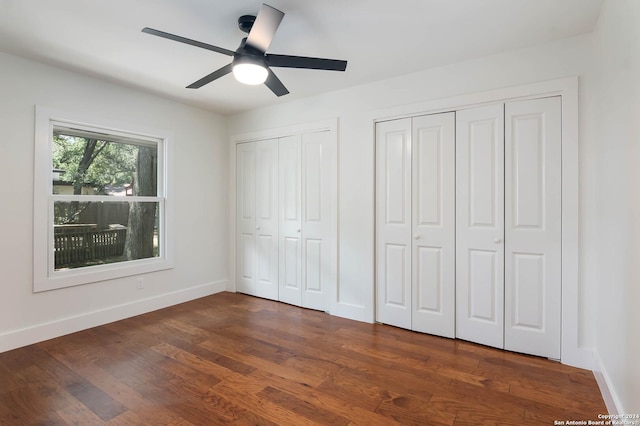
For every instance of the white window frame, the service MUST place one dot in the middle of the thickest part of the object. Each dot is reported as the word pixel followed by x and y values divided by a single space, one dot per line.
pixel 45 277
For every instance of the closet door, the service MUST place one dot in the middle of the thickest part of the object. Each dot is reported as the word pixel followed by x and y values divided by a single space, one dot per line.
pixel 480 225
pixel 433 220
pixel 393 222
pixel 290 220
pixel 305 220
pixel 246 217
pixel 257 218
pixel 533 226
pixel 267 219
pixel 316 220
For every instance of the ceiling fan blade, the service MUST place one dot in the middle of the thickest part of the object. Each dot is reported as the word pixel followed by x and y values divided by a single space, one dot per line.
pixel 275 85
pixel 187 41
pixel 213 76
pixel 286 61
pixel 264 28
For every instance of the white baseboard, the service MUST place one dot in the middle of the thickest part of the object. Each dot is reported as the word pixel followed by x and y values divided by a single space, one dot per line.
pixel 49 330
pixel 577 357
pixel 352 312
pixel 611 400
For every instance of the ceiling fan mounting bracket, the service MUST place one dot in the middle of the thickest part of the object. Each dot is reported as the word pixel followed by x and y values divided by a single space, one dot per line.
pixel 245 23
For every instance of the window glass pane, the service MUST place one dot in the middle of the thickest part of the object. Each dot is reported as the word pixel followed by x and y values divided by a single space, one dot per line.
pixel 95 233
pixel 93 166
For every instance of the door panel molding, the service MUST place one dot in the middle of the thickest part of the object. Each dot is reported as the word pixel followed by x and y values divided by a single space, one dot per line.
pixel 480 225
pixel 433 224
pixel 393 223
pixel 533 226
pixel 415 222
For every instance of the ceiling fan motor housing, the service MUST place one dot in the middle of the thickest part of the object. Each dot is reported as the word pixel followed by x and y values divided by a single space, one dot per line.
pixel 248 54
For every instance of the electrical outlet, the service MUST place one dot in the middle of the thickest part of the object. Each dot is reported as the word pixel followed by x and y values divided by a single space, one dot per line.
pixel 140 283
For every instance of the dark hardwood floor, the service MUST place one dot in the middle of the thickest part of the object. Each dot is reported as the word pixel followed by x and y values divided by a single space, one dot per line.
pixel 236 359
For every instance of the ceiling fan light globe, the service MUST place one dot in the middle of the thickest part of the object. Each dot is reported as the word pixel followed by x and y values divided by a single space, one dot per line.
pixel 248 73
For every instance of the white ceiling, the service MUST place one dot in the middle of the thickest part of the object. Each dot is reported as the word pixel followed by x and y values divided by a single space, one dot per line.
pixel 379 38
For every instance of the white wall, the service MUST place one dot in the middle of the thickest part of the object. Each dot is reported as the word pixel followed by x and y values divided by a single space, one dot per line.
pixel 200 198
pixel 356 108
pixel 617 189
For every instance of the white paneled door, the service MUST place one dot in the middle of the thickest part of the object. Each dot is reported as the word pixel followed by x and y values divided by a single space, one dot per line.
pixel 246 218
pixel 316 220
pixel 305 220
pixel 433 224
pixel 415 223
pixel 533 263
pixel 393 222
pixel 291 220
pixel 508 226
pixel 257 218
pixel 480 225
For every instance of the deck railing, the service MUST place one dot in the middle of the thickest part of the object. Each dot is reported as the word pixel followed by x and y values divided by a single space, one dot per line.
pixel 75 245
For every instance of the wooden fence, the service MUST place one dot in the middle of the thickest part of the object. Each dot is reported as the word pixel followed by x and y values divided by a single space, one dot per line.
pixel 82 244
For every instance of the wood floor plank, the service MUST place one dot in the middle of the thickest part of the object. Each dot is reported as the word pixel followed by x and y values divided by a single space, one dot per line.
pixel 300 406
pixel 389 377
pixel 8 381
pixel 96 400
pixel 261 406
pixel 240 360
pixel 267 365
pixel 149 411
pixel 57 374
pixel 180 422
pixel 435 350
pixel 211 369
pixel 17 406
pixel 208 409
pixel 78 413
pixel 302 343
pixel 477 412
pixel 345 407
pixel 252 419
pixel 409 411
pixel 367 397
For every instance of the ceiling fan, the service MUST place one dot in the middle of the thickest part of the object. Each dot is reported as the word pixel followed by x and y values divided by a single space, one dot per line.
pixel 251 64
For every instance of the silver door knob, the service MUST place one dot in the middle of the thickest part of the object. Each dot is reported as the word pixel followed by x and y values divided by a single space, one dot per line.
pixel 299 230
pixel 257 228
pixel 497 240
pixel 416 237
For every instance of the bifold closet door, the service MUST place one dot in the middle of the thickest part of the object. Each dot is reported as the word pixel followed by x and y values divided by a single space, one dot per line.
pixel 480 225
pixel 290 182
pixel 508 226
pixel 305 220
pixel 393 222
pixel 415 223
pixel 468 225
pixel 433 224
pixel 257 218
pixel 246 217
pixel 533 200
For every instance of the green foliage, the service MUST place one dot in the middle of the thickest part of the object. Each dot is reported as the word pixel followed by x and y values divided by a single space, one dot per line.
pixel 113 164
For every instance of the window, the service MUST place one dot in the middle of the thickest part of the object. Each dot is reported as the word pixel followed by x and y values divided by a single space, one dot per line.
pixel 100 204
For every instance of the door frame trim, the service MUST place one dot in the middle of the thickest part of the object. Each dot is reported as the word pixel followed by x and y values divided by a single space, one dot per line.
pixel 571 351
